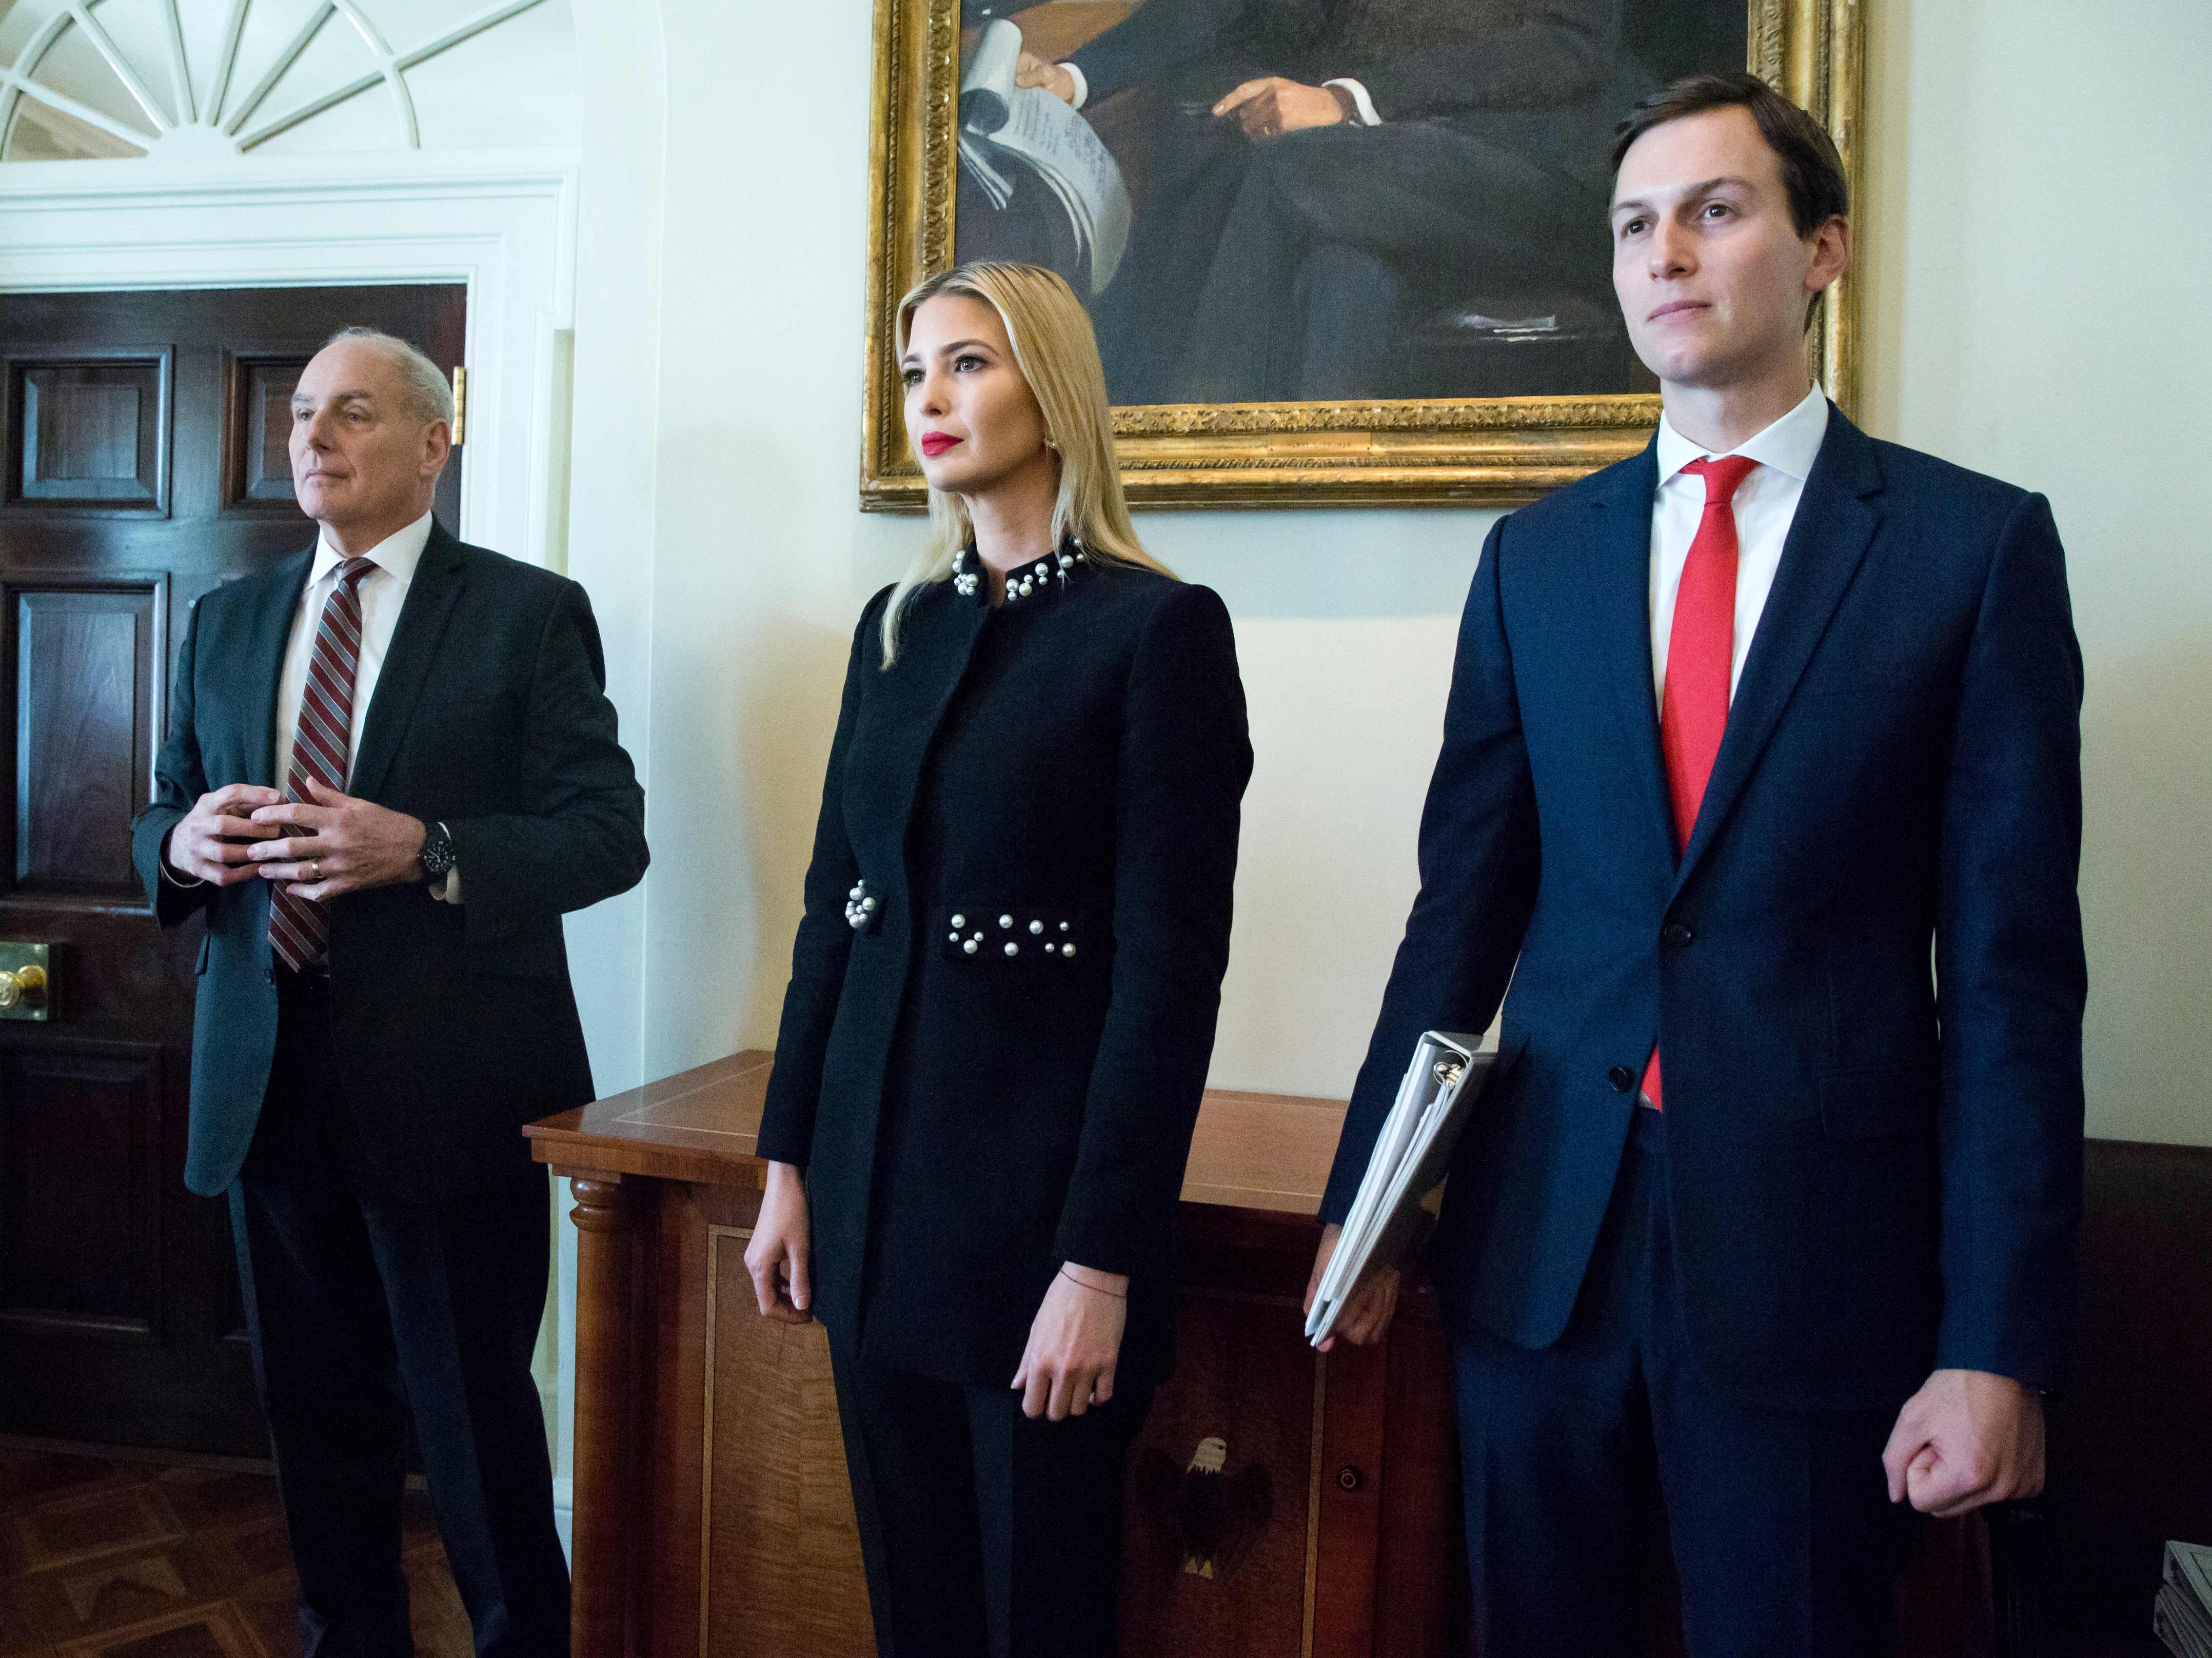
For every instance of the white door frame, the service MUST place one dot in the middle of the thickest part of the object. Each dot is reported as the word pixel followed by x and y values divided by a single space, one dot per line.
pixel 503 221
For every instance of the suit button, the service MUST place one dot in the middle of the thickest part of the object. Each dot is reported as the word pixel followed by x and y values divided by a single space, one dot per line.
pixel 1621 1077
pixel 1674 935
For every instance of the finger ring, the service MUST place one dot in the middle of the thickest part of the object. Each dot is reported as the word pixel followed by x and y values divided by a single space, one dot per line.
pixel 314 869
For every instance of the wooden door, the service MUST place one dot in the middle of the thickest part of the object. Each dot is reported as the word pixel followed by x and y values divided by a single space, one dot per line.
pixel 143 462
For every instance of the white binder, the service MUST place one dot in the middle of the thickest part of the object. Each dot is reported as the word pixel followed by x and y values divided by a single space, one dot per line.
pixel 1404 1178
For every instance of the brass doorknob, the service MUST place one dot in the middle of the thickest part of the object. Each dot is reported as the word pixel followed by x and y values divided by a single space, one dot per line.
pixel 26 985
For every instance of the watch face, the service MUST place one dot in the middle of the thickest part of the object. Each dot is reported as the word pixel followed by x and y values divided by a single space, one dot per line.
pixel 437 854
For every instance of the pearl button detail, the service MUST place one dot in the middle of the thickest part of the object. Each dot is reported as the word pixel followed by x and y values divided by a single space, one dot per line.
pixel 1005 920
pixel 1012 949
pixel 969 946
pixel 960 921
pixel 1069 951
pixel 1036 926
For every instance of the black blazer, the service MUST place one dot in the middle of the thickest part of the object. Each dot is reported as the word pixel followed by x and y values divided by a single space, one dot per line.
pixel 1864 974
pixel 999 1069
pixel 455 1023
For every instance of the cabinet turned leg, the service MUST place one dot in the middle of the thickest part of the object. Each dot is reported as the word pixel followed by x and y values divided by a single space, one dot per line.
pixel 599 1529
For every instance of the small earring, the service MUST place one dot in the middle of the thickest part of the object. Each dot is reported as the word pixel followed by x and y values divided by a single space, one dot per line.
pixel 1050 445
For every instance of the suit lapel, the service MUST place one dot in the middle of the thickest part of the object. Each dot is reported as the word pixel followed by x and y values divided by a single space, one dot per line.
pixel 268 632
pixel 1828 539
pixel 1619 571
pixel 935 651
pixel 430 599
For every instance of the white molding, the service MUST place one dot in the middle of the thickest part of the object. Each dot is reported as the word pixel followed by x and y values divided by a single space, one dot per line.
pixel 503 221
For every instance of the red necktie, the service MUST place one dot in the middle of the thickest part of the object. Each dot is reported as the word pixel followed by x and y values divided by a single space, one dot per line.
pixel 300 928
pixel 1693 707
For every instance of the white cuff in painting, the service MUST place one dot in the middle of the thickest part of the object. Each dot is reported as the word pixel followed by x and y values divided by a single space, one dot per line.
pixel 448 891
pixel 1082 86
pixel 1365 105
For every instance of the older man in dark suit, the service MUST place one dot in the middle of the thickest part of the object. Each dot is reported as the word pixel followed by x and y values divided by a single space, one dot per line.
pixel 391 767
pixel 1333 167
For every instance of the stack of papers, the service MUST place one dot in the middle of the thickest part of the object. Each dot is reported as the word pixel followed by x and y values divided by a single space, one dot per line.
pixel 2182 1617
pixel 1403 1183
pixel 1003 125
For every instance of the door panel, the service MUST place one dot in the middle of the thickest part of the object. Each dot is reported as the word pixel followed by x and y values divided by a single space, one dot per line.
pixel 86 671
pixel 143 462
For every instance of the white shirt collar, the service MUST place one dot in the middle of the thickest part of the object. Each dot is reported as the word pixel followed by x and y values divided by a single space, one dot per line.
pixel 397 554
pixel 1787 445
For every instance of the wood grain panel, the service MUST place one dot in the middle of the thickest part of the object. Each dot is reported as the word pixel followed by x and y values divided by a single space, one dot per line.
pixel 256 460
pixel 80 1136
pixel 783 1572
pixel 84 688
pixel 89 431
pixel 1243 1376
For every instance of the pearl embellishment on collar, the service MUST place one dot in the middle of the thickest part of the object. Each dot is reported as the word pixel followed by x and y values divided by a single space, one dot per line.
pixel 967 572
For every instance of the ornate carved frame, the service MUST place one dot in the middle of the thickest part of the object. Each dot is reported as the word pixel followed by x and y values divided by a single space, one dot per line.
pixel 1487 451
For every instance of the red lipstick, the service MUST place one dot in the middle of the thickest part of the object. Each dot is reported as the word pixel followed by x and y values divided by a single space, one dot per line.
pixel 936 443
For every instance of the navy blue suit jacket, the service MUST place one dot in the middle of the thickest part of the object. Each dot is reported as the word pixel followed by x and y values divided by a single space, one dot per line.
pixel 1865 972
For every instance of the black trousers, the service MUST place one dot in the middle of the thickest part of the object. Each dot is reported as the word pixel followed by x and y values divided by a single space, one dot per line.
pixel 363 1308
pixel 1783 1536
pixel 984 1532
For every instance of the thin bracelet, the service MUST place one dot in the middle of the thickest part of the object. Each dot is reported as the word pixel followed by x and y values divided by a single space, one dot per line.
pixel 1118 1295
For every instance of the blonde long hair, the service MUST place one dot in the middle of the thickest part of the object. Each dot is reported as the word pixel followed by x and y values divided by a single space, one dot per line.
pixel 1058 354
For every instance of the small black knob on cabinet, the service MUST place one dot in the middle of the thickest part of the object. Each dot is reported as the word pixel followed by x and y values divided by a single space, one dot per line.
pixel 1347 1478
pixel 1621 1077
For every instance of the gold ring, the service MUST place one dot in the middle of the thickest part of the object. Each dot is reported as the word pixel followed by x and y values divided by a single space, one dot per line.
pixel 314 869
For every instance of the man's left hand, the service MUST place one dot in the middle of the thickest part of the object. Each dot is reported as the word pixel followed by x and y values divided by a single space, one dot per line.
pixel 1266 107
pixel 1966 1439
pixel 339 845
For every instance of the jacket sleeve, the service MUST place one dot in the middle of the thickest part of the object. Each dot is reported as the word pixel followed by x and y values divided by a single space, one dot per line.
pixel 2011 977
pixel 1478 862
pixel 1185 758
pixel 824 941
pixel 1559 52
pixel 179 779
pixel 1159 36
pixel 579 834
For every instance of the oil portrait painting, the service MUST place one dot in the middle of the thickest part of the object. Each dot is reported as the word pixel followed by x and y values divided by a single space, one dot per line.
pixel 1355 246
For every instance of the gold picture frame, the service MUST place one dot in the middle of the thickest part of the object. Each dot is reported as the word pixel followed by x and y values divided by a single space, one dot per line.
pixel 1484 451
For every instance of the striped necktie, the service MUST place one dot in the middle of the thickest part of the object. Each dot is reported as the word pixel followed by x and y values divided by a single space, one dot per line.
pixel 300 928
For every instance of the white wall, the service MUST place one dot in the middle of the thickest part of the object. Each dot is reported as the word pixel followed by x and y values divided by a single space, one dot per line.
pixel 2029 231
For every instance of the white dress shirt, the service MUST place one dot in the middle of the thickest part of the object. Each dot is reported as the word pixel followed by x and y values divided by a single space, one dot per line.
pixel 383 592
pixel 1766 503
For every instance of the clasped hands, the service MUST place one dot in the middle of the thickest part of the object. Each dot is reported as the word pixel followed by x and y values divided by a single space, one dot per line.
pixel 1967 1438
pixel 1272 105
pixel 1074 1342
pixel 319 848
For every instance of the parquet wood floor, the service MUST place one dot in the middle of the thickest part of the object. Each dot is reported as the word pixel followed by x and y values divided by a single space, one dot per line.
pixel 109 1555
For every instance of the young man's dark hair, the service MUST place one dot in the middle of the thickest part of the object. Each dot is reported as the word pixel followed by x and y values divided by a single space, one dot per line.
pixel 1812 171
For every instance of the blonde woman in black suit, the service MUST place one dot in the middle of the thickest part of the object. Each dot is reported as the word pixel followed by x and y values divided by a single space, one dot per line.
pixel 1003 991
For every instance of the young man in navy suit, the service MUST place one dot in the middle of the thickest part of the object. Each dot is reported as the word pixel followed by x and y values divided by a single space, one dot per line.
pixel 1760 784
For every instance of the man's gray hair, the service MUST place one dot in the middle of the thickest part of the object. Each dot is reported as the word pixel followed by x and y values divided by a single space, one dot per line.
pixel 429 398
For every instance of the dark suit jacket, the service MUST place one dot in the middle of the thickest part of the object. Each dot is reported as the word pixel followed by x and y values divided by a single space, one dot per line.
pixel 969 1118
pixel 1874 1168
pixel 455 1023
pixel 1538 76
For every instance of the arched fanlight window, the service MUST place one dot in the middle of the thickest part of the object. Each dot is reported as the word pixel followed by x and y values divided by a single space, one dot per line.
pixel 208 78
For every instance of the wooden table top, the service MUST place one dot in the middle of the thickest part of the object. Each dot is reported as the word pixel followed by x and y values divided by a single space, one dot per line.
pixel 1260 1151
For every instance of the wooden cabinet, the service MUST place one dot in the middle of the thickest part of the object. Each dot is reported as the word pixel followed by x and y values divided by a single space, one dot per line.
pixel 712 1512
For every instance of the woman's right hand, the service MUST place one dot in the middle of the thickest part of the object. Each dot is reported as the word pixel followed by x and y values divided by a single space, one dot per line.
pixel 779 1257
